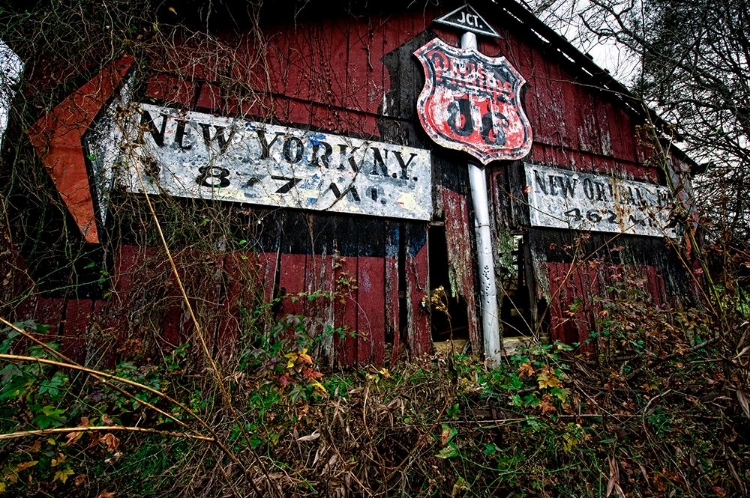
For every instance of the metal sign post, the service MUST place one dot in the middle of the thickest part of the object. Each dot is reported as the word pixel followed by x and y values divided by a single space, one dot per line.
pixel 471 103
pixel 488 288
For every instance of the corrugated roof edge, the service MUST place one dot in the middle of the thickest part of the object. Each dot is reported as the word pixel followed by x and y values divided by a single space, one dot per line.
pixel 580 64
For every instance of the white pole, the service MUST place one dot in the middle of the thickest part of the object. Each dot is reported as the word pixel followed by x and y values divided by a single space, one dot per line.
pixel 488 289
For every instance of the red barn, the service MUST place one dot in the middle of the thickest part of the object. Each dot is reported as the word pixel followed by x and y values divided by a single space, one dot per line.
pixel 287 162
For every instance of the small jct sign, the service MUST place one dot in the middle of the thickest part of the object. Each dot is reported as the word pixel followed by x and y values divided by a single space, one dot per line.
pixel 191 154
pixel 566 199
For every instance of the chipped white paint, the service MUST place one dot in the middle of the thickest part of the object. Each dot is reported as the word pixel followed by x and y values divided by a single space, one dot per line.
pixel 561 198
pixel 11 67
pixel 191 154
pixel 101 144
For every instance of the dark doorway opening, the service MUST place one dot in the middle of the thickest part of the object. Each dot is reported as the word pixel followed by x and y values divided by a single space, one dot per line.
pixel 515 312
pixel 444 328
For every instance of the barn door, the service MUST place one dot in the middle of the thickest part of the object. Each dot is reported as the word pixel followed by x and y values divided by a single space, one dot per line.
pixel 514 266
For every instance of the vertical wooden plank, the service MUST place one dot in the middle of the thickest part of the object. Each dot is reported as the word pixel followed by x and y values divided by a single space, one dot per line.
pixel 364 87
pixel 586 120
pixel 417 287
pixel 297 63
pixel 248 283
pixel 321 49
pixel 410 81
pixel 572 119
pixel 233 305
pixel 123 314
pixel 557 295
pixel 345 309
pixel 558 108
pixel 276 60
pixel 371 292
pixel 103 334
pixel 593 284
pixel 292 282
pixel 492 47
pixel 616 131
pixel 336 61
pixel 359 68
pixel 75 328
pixel 175 318
pixel 392 310
pixel 573 290
pixel 249 65
pixel 581 295
pixel 544 124
pixel 320 284
pixel 627 134
pixel 655 285
pixel 603 125
pixel 267 273
pixel 18 289
pixel 295 246
pixel 378 82
pixel 320 279
pixel 345 305
pixel 208 286
pixel 461 266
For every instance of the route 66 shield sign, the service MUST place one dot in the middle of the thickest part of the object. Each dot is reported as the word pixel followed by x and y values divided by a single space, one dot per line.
pixel 471 102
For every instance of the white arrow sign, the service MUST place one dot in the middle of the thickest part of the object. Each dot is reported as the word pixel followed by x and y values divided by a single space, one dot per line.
pixel 467 19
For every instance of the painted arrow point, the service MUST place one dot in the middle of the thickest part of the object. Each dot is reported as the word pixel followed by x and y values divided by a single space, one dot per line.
pixel 57 137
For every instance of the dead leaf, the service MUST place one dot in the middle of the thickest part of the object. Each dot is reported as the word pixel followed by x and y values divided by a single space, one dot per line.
pixel 546 406
pixel 526 370
pixel 10 475
pixel 743 402
pixel 26 465
pixel 111 442
pixel 614 479
pixel 546 380
pixel 72 438
pixel 106 420
pixel 311 437
pixel 80 479
pixel 106 494
pixel 62 475
pixel 57 461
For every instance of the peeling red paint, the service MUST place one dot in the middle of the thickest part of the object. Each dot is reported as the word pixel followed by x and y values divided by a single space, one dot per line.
pixel 57 139
pixel 458 239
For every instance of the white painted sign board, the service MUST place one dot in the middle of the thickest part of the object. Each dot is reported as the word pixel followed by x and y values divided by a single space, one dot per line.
pixel 561 198
pixel 192 154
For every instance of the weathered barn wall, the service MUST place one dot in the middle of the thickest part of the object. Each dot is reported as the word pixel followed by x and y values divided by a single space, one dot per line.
pixel 356 76
pixel 579 127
